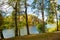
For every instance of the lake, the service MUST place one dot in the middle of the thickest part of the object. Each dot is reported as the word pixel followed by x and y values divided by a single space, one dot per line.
pixel 8 33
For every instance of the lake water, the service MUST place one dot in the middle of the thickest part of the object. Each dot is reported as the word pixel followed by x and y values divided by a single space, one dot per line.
pixel 32 30
pixel 8 33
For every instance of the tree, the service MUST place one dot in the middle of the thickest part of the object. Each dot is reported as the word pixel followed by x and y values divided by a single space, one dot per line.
pixel 1 23
pixel 53 11
pixel 14 4
pixel 26 17
pixel 58 8
pixel 43 27
pixel 39 7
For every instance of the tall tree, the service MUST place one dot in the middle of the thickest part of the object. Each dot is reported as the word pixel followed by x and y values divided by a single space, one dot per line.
pixel 1 23
pixel 56 15
pixel 39 5
pixel 52 12
pixel 58 8
pixel 15 4
pixel 15 15
pixel 26 17
pixel 18 11
pixel 16 29
pixel 43 27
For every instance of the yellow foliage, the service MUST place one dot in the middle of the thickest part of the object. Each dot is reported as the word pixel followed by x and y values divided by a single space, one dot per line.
pixel 31 19
pixel 51 29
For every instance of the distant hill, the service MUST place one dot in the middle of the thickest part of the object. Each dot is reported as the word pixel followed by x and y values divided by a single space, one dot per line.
pixel 32 19
pixel 21 21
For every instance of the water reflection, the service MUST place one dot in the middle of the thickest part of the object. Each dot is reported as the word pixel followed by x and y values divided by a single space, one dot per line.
pixel 8 33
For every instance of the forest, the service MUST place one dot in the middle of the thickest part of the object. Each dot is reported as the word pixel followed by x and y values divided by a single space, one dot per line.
pixel 26 17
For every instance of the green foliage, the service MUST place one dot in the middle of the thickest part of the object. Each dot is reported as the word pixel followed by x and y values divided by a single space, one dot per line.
pixel 58 7
pixel 8 23
pixel 12 2
pixel 50 18
pixel 39 27
pixel 58 24
pixel 21 24
pixel 51 12
pixel 36 4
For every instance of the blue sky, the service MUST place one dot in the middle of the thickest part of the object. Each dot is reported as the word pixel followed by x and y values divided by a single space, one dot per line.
pixel 29 8
pixel 58 2
pixel 30 1
pixel 30 11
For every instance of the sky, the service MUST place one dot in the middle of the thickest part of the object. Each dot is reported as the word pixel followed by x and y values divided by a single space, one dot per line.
pixel 29 11
pixel 58 2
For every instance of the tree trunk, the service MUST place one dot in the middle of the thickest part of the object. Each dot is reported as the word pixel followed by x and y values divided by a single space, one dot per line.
pixel 1 34
pixel 18 7
pixel 56 17
pixel 16 27
pixel 1 23
pixel 26 17
pixel 43 27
